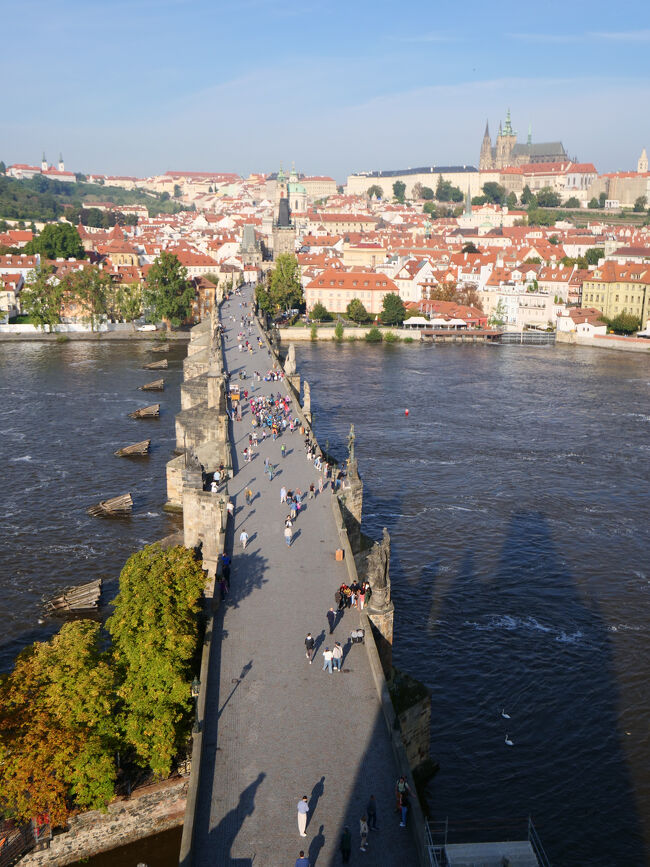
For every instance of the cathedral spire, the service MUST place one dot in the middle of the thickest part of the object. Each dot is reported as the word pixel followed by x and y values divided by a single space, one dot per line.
pixel 530 134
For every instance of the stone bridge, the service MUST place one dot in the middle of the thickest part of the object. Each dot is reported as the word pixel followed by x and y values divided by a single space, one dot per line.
pixel 272 727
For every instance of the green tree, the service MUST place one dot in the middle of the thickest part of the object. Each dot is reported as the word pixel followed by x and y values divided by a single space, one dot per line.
pixel 155 635
pixel 320 313
pixel 426 193
pixel 42 297
pixel 602 198
pixel 164 197
pixel 624 323
pixel 177 191
pixel 284 288
pixel 548 198
pixel 498 317
pixel 537 217
pixel 640 204
pixel 57 730
pixel 594 254
pixel 526 195
pixel 470 247
pixel 3 167
pixel 128 303
pixel 572 202
pixel 57 241
pixel 374 335
pixel 338 331
pixel 399 188
pixel 90 288
pixel 80 178
pixel 375 191
pixel 593 203
pixel 479 200
pixel 554 240
pixel 393 312
pixel 446 192
pixel 495 193
pixel 168 293
pixel 356 311
pixel 430 208
pixel 313 332
pixel 511 201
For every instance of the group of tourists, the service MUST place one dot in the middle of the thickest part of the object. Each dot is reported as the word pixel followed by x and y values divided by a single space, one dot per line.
pixel 355 595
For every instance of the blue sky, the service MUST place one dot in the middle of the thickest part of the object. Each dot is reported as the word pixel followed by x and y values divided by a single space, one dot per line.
pixel 143 86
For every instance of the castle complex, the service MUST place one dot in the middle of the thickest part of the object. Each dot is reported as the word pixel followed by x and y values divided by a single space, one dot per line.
pixel 508 152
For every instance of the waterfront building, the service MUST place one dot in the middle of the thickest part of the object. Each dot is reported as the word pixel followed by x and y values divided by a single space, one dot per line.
pixel 335 289
pixel 619 288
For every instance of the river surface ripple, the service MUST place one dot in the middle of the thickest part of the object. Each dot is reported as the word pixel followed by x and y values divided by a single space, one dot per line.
pixel 516 496
pixel 63 412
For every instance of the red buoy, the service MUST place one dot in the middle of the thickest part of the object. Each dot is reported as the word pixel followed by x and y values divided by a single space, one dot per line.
pixel 406 412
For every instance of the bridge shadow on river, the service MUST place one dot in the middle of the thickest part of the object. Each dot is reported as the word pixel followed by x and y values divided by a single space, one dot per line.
pixel 528 639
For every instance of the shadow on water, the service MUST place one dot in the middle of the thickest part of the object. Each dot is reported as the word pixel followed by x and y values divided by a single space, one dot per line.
pixel 561 703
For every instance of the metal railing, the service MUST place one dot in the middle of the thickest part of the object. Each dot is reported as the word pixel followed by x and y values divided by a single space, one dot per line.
pixel 536 843
pixel 437 836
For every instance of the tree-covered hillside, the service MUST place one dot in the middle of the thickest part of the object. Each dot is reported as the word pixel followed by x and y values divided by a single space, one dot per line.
pixel 43 199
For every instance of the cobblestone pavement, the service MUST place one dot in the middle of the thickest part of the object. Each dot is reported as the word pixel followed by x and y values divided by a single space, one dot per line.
pixel 278 728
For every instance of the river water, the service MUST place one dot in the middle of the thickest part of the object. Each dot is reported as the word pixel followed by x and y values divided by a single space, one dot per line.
pixel 63 412
pixel 516 495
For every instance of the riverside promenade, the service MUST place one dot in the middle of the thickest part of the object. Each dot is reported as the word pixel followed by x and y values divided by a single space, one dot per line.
pixel 277 728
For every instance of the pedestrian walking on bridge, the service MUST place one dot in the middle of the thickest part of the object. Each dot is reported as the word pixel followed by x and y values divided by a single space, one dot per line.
pixel 243 538
pixel 303 809
pixel 327 660
pixel 310 645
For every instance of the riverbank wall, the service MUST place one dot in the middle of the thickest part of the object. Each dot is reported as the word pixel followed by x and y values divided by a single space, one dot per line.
pixel 148 811
pixel 605 341
pixel 326 332
pixel 16 333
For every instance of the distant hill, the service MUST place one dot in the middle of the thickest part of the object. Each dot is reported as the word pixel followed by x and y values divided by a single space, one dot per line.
pixel 43 199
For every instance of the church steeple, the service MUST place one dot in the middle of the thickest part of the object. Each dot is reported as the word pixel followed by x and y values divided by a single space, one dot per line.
pixel 642 165
pixel 485 157
pixel 43 163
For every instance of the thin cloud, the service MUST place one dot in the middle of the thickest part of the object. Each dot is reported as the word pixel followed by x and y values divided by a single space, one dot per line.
pixel 427 37
pixel 623 35
pixel 556 38
pixel 595 35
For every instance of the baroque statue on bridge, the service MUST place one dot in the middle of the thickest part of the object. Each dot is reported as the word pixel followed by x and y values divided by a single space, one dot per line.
pixel 378 566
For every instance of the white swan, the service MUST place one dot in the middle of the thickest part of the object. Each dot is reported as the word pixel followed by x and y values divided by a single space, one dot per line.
pixel 504 714
pixel 509 742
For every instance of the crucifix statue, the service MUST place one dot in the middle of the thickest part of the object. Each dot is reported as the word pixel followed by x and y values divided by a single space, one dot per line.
pixel 351 439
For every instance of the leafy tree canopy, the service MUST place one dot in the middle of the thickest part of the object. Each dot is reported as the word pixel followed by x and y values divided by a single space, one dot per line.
pixel 155 637
pixel 375 191
pixel 399 189
pixel 594 254
pixel 42 297
pixel 640 204
pixel 624 323
pixel 90 288
pixel 426 193
pixel 57 730
pixel 470 247
pixel 511 201
pixel 495 193
pixel 57 241
pixel 572 202
pixel 393 312
pixel 320 313
pixel 283 290
pixel 168 293
pixel 548 198
pixel 356 311
pixel 446 192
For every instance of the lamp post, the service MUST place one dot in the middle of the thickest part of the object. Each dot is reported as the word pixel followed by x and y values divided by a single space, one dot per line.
pixel 195 690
